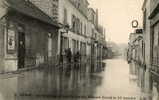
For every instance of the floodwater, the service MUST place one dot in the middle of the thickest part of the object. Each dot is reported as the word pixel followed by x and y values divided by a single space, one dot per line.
pixel 114 82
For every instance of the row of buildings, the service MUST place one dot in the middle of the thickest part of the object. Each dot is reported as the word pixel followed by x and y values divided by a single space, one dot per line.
pixel 144 48
pixel 36 32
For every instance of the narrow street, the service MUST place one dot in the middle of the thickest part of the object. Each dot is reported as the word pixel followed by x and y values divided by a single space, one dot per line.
pixel 56 84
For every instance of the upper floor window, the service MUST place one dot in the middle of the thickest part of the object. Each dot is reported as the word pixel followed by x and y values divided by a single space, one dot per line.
pixel 85 30
pixel 65 17
pixel 81 28
pixel 144 19
pixel 78 26
pixel 54 10
pixel 73 23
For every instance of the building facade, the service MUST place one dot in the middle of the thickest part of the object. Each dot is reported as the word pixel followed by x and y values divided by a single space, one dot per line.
pixel 82 22
pixel 22 28
pixel 56 26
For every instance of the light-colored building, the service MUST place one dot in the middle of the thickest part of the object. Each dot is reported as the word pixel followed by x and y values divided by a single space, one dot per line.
pixel 74 14
pixel 82 22
pixel 136 56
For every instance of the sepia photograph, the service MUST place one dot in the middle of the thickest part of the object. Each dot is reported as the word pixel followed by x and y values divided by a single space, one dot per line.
pixel 79 49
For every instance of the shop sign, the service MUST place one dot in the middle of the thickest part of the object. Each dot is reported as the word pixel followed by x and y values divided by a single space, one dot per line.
pixel 134 24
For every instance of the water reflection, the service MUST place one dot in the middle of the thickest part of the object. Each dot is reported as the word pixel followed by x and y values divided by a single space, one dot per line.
pixel 51 84
pixel 137 76
pixel 69 82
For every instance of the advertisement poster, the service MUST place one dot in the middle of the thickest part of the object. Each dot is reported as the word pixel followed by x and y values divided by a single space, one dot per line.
pixel 11 41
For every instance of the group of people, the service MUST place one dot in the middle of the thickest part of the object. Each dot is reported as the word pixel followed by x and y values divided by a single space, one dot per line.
pixel 71 57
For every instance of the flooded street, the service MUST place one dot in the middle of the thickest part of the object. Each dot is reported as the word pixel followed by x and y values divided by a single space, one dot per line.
pixel 117 81
pixel 72 83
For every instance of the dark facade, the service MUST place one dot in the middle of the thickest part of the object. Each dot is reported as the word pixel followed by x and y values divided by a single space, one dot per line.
pixel 29 37
pixel 154 19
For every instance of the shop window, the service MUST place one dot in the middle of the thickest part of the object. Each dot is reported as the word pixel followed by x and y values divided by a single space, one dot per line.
pixel 49 45
pixel 155 44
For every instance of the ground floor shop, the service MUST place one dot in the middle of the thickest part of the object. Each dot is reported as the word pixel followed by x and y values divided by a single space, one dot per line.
pixel 26 41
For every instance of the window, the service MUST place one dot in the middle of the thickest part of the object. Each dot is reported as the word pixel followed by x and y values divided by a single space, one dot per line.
pixel 49 46
pixel 11 38
pixel 78 26
pixel 73 23
pixel 54 10
pixel 65 17
pixel 155 44
pixel 81 28
pixel 74 45
pixel 65 43
pixel 85 30
pixel 144 20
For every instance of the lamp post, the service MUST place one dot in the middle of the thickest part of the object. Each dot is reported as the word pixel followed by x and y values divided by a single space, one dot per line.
pixel 65 29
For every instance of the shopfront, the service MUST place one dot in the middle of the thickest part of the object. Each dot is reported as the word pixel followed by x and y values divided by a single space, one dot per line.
pixel 27 39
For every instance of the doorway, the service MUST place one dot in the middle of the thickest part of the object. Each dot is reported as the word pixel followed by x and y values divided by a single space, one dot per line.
pixel 21 48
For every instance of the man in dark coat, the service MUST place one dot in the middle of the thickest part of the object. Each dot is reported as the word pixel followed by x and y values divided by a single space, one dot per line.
pixel 69 55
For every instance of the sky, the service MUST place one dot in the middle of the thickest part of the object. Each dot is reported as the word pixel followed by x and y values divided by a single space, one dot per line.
pixel 116 16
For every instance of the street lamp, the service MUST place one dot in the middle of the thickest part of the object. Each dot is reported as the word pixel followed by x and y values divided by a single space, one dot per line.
pixel 64 29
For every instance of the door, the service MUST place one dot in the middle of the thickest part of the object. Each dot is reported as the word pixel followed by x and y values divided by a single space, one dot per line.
pixel 21 49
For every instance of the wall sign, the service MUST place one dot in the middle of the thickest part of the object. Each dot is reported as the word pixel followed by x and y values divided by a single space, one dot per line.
pixel 11 41
pixel 135 23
